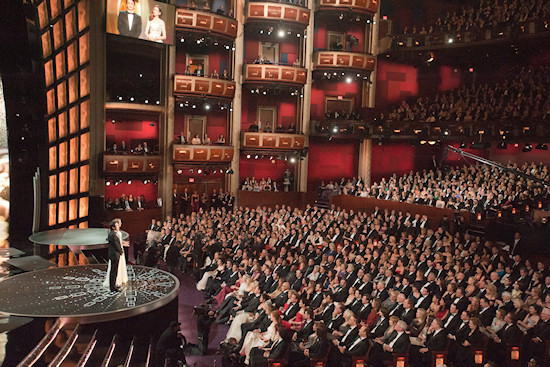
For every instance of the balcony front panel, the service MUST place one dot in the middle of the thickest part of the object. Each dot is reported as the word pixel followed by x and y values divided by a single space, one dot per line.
pixel 277 12
pixel 275 73
pixel 198 20
pixel 266 141
pixel 202 153
pixel 198 85
pixel 343 60
pixel 118 163
pixel 366 6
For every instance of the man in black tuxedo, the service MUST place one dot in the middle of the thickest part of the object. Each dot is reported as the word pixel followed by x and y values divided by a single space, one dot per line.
pixel 436 341
pixel 260 356
pixel 399 344
pixel 129 23
pixel 115 251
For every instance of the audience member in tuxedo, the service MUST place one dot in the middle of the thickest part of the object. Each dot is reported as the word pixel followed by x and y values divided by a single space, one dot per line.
pixel 436 340
pixel 538 335
pixel 459 335
pixel 304 352
pixel 342 353
pixel 510 334
pixel 277 349
pixel 472 341
pixel 400 343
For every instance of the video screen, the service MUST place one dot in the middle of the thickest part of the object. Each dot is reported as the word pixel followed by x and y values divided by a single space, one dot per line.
pixel 144 19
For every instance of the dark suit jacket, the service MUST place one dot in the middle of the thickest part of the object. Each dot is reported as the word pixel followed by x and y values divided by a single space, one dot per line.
pixel 124 28
pixel 305 332
pixel 360 349
pixel 511 335
pixel 402 344
pixel 319 348
pixel 437 342
pixel 115 247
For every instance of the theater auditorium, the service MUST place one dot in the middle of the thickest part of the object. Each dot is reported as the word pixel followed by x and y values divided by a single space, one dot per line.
pixel 278 183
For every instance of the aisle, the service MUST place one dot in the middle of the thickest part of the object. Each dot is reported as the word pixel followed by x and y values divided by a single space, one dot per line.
pixel 190 297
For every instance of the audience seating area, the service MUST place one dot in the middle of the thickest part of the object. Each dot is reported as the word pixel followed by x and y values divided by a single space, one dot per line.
pixel 294 283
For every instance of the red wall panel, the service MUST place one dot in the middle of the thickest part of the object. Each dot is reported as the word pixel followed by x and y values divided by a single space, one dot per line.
pixel 395 82
pixel 451 78
pixel 130 130
pixel 330 88
pixel 331 160
pixel 263 168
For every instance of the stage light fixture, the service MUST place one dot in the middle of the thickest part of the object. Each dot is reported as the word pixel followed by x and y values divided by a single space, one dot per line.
pixel 248 156
pixel 292 160
pixel 119 98
pixel 281 33
pixel 450 40
pixel 146 101
pixel 207 106
pixel 180 172
pixel 256 156
pixel 199 171
pixel 542 146
pixel 463 145
pixel 132 99
pixel 527 148
pixel 348 79
pixel 335 129
pixel 108 183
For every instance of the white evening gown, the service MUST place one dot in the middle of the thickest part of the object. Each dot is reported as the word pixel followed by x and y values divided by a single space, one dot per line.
pixel 259 340
pixel 235 327
pixel 122 274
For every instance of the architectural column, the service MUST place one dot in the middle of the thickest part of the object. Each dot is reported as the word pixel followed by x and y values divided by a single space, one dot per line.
pixel 365 160
pixel 97 97
pixel 233 184
pixel 374 50
pixel 302 165
pixel 166 130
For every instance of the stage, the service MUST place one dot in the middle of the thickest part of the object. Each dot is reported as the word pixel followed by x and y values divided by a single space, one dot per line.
pixel 77 294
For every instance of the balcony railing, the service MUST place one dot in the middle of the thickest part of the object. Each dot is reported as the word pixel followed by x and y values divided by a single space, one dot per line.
pixel 204 21
pixel 198 85
pixel 343 60
pixel 368 6
pixel 113 163
pixel 252 140
pixel 275 73
pixel 202 153
pixel 277 12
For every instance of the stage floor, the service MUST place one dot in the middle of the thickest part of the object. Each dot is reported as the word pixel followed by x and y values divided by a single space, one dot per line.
pixel 77 293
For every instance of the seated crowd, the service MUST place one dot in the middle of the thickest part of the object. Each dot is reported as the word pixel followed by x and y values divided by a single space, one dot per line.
pixel 342 115
pixel 268 128
pixel 205 6
pixel 523 95
pixel 251 184
pixel 339 284
pixel 476 188
pixel 488 14
pixel 128 203
pixel 196 140
pixel 200 72
pixel 140 148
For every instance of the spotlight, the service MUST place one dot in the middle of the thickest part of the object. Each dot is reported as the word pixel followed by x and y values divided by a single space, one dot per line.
pixel 450 40
pixel 157 102
pixel 180 172
pixel 108 183
pixel 131 99
pixel 199 171
pixel 281 33
pixel 194 106
pixel 141 75
pixel 248 156
pixel 527 148
pixel 335 129
pixel 113 121
pixel 181 104
pixel 463 145
pixel 542 146
pixel 256 156
pixel 292 160
pixel 207 106
pixel 146 101
pixel 348 79
pixel 119 98
pixel 129 182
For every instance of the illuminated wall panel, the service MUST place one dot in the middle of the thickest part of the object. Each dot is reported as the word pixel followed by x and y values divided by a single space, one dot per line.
pixel 64 33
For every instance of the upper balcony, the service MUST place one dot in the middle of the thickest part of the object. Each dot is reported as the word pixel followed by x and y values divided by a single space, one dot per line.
pixel 131 163
pixel 202 153
pixel 278 74
pixel 355 6
pixel 202 86
pixel 277 12
pixel 343 61
pixel 196 20
pixel 272 141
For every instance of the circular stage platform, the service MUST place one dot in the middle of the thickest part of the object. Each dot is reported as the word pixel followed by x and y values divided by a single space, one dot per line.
pixel 85 238
pixel 77 293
